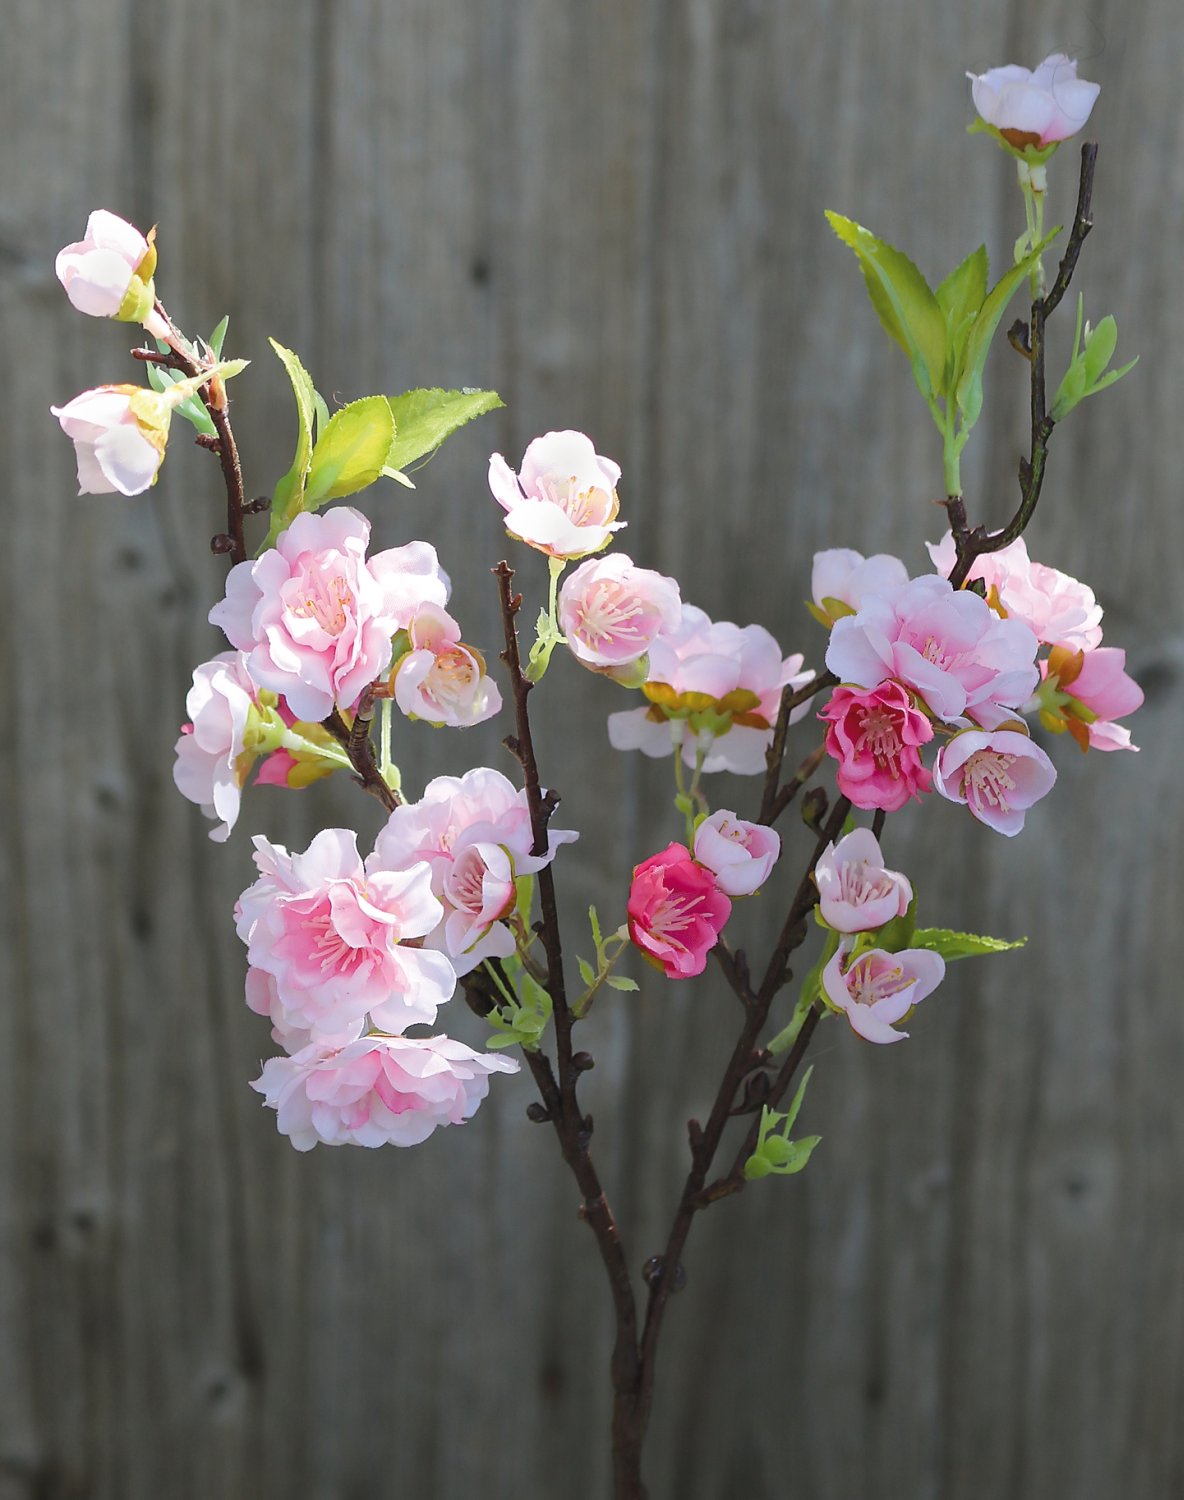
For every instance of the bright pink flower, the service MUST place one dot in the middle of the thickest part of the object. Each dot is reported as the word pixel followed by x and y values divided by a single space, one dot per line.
pixel 611 612
pixel 108 273
pixel 441 679
pixel 212 761
pixel 880 988
pixel 116 449
pixel 998 776
pixel 563 501
pixel 676 912
pixel 740 855
pixel 714 691
pixel 947 645
pixel 843 575
pixel 855 892
pixel 334 937
pixel 475 834
pixel 1038 107
pixel 876 737
pixel 1056 608
pixel 316 617
pixel 377 1090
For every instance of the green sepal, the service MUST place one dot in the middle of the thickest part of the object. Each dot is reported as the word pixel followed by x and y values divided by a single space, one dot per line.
pixel 951 945
pixel 969 376
pixel 351 451
pixel 903 301
pixel 424 418
pixel 897 935
pixel 287 500
pixel 218 337
pixel 192 408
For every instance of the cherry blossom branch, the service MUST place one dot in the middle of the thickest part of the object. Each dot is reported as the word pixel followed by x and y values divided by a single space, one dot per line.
pixel 775 755
pixel 355 741
pixel 973 544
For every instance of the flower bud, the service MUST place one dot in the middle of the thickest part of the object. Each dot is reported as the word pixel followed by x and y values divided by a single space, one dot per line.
pixel 108 273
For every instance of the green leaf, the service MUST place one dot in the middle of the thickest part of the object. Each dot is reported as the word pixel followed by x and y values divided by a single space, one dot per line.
pixel 218 337
pixel 351 451
pixel 619 982
pixel 322 412
pixel 192 409
pixel 903 302
pixel 288 498
pixel 424 418
pixel 952 945
pixel 969 390
pixel 1100 343
pixel 899 933
pixel 587 972
pixel 961 294
pixel 792 1115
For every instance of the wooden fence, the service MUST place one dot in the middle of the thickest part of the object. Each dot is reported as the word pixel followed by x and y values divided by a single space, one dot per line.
pixel 611 212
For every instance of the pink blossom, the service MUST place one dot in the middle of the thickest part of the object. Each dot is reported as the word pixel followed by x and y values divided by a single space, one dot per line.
pixel 855 891
pixel 880 988
pixel 441 679
pixel 1056 608
pixel 108 273
pixel 944 643
pixel 119 438
pixel 316 617
pixel 876 737
pixel 212 761
pixel 611 612
pixel 475 834
pixel 1034 108
pixel 740 855
pixel 676 912
pixel 335 937
pixel 1089 690
pixel 714 691
pixel 846 577
pixel 377 1090
pixel 263 997
pixel 998 776
pixel 563 501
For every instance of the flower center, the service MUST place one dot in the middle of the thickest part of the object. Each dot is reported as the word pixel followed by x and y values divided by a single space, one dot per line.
pixel 858 885
pixel 985 779
pixel 880 735
pixel 674 914
pixel 588 507
pixel 867 983
pixel 608 612
pixel 327 603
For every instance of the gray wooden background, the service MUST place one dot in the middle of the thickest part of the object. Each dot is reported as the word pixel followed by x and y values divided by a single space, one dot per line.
pixel 612 212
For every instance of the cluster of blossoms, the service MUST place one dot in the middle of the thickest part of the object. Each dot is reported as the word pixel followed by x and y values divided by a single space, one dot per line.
pixel 681 898
pixel 917 659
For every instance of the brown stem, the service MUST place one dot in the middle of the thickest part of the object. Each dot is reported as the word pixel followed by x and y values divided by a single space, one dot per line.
pixel 775 754
pixel 573 1128
pixel 972 545
pixel 356 743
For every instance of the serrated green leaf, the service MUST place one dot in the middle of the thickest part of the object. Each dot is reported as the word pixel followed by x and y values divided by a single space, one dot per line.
pixel 424 418
pixel 619 982
pixel 506 1039
pixel 951 945
pixel 587 972
pixel 962 293
pixel 288 498
pixel 969 390
pixel 350 453
pixel 218 337
pixel 903 302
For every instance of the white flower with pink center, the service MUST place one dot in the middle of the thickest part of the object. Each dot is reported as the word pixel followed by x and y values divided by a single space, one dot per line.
pixel 474 832
pixel 739 854
pixel 878 989
pixel 611 612
pixel 1056 608
pixel 714 690
pixel 316 618
pixel 212 759
pixel 441 679
pixel 998 776
pixel 856 893
pixel 377 1090
pixel 946 644
pixel 334 937
pixel 1037 107
pixel 843 576
pixel 563 500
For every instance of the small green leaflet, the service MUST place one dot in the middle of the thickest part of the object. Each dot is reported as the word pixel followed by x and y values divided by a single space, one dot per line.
pixel 288 498
pixel 903 301
pixel 351 451
pixel 952 945
pixel 775 1153
pixel 424 418
pixel 192 408
pixel 1087 372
